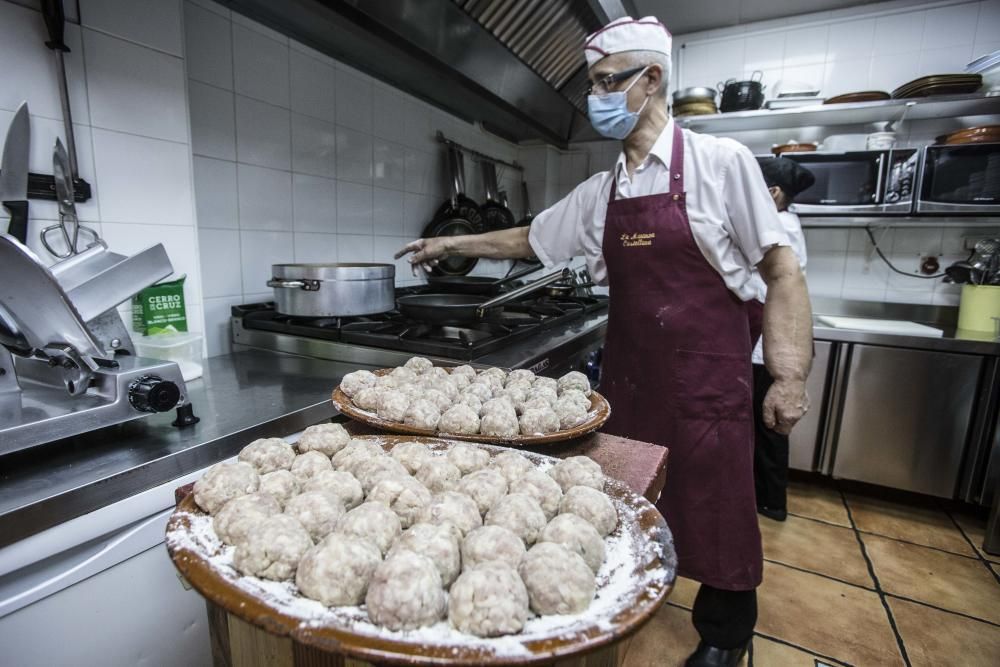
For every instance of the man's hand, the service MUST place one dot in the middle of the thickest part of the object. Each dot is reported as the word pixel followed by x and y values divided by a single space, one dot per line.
pixel 785 404
pixel 426 253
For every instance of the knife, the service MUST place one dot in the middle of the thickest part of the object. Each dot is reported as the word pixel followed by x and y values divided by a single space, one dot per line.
pixel 64 194
pixel 14 173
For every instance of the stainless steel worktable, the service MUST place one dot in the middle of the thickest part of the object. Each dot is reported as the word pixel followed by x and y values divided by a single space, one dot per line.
pixel 243 396
pixel 966 343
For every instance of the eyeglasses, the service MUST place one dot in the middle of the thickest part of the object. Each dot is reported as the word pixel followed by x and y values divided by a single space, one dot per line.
pixel 603 87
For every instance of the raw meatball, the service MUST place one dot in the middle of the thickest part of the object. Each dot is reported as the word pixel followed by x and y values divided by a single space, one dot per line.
pixel 511 465
pixel 578 536
pixel 575 396
pixel 326 439
pixel 438 374
pixel 386 382
pixel 460 381
pixel 542 392
pixel 435 396
pixel 354 453
pixel 468 458
pixel 501 424
pixel 558 580
pixel 422 413
pixel 375 469
pixel 574 380
pixel 355 381
pixel 317 511
pixel 403 375
pixel 550 383
pixel 489 601
pixel 569 414
pixel 542 488
pixel 404 495
pixel 459 419
pixel 223 482
pixel 520 375
pixel 367 398
pixel 240 516
pixel 371 521
pixel 498 373
pixel 515 393
pixel 492 382
pixel 464 370
pixel 481 391
pixel 306 466
pixel 273 550
pixel 438 474
pixel 267 455
pixel 412 391
pixel 498 404
pixel 336 571
pixel 457 509
pixel 418 365
pixel 536 403
pixel 412 455
pixel 592 505
pixel 485 487
pixel 405 593
pixel 538 421
pixel 440 543
pixel 392 405
pixel 578 471
pixel 280 485
pixel 338 483
pixel 492 543
pixel 472 401
pixel 520 514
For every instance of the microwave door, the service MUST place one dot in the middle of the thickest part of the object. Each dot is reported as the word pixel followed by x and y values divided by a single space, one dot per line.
pixel 960 179
pixel 845 183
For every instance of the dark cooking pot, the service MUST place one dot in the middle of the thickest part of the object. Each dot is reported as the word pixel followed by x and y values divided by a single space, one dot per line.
pixel 742 95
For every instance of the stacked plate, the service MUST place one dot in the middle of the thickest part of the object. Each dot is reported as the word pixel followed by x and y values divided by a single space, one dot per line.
pixel 694 101
pixel 939 84
pixel 986 134
pixel 861 96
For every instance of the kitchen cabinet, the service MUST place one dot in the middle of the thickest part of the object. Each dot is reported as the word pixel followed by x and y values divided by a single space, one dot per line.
pixel 905 417
pixel 803 442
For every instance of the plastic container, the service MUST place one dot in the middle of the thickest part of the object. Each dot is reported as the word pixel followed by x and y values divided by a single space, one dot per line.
pixel 979 306
pixel 184 348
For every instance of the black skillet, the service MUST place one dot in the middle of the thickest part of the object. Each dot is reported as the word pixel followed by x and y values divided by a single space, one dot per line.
pixel 457 216
pixel 496 215
pixel 482 285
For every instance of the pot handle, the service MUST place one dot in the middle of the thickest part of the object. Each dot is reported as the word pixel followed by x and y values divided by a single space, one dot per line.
pixel 306 285
pixel 757 75
pixel 721 86
pixel 521 291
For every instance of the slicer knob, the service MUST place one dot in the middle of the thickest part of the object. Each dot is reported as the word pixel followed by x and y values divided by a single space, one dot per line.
pixel 152 394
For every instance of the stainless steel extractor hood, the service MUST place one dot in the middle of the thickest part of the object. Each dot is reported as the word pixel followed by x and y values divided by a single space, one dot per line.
pixel 517 66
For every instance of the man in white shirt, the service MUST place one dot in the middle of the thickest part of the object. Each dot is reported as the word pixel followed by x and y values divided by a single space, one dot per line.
pixel 676 230
pixel 785 179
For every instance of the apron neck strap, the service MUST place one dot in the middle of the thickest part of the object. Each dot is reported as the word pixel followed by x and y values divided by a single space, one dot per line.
pixel 677 162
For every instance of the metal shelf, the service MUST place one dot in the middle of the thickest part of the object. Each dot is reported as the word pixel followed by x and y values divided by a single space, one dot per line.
pixel 942 106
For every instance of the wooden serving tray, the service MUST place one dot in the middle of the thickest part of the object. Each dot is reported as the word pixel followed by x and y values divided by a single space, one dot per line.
pixel 600 412
pixel 638 520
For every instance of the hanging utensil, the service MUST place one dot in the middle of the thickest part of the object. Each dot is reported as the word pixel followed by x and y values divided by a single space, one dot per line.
pixel 69 226
pixel 14 173
pixel 496 215
pixel 55 22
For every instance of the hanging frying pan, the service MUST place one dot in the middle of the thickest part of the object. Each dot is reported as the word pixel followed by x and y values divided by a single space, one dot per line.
pixel 496 215
pixel 484 285
pixel 457 216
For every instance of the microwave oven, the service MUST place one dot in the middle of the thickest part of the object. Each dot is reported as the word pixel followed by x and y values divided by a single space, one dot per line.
pixel 880 182
pixel 959 180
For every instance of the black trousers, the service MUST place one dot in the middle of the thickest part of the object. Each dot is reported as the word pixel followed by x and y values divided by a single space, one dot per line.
pixel 770 452
pixel 724 619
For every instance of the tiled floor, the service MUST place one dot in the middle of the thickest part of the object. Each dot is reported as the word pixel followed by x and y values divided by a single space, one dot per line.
pixel 855 580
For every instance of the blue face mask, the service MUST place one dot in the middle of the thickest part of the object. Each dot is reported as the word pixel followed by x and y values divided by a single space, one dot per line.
pixel 609 113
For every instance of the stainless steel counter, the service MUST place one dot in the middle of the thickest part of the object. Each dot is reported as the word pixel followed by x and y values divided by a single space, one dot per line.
pixel 952 341
pixel 242 396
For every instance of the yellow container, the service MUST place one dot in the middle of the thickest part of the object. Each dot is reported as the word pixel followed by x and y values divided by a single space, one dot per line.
pixel 979 305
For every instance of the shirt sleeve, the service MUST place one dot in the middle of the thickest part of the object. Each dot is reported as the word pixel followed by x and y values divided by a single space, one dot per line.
pixel 797 238
pixel 753 217
pixel 557 234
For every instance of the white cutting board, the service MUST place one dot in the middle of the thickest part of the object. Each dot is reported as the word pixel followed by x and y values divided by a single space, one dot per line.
pixel 880 326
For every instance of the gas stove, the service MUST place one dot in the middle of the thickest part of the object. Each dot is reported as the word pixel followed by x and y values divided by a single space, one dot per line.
pixel 525 334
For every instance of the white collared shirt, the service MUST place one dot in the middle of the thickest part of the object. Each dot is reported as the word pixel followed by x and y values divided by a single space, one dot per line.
pixel 793 228
pixel 731 213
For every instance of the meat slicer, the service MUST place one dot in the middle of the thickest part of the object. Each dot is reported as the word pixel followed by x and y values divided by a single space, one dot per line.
pixel 67 363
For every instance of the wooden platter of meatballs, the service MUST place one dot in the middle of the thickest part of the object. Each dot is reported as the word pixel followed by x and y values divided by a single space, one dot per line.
pixel 461 403
pixel 407 550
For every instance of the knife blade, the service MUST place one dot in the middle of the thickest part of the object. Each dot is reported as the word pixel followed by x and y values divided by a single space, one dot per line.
pixel 14 173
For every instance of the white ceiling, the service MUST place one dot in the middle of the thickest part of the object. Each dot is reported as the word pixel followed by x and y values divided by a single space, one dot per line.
pixel 682 16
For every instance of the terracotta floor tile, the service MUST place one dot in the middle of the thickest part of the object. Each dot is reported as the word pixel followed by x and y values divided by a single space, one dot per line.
pixel 684 592
pixel 666 641
pixel 930 527
pixel 934 638
pixel 817 547
pixel 975 530
pixel 767 653
pixel 817 502
pixel 825 616
pixel 944 580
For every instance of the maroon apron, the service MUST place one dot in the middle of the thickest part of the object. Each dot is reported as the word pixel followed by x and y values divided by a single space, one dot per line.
pixel 755 311
pixel 676 369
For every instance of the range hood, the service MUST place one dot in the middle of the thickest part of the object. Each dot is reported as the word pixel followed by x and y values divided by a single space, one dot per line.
pixel 517 66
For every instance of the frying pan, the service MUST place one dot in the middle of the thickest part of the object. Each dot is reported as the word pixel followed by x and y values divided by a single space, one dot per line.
pixel 483 285
pixel 458 309
pixel 496 215
pixel 457 216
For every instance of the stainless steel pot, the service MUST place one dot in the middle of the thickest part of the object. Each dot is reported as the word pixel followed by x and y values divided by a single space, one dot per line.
pixel 694 94
pixel 333 290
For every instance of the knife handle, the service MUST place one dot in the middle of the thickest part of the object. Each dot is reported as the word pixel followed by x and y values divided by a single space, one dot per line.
pixel 55 21
pixel 18 227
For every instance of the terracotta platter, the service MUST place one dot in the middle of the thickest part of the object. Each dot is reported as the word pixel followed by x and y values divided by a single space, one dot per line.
pixel 650 572
pixel 600 411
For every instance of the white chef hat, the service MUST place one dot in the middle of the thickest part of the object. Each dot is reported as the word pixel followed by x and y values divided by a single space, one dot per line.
pixel 627 34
